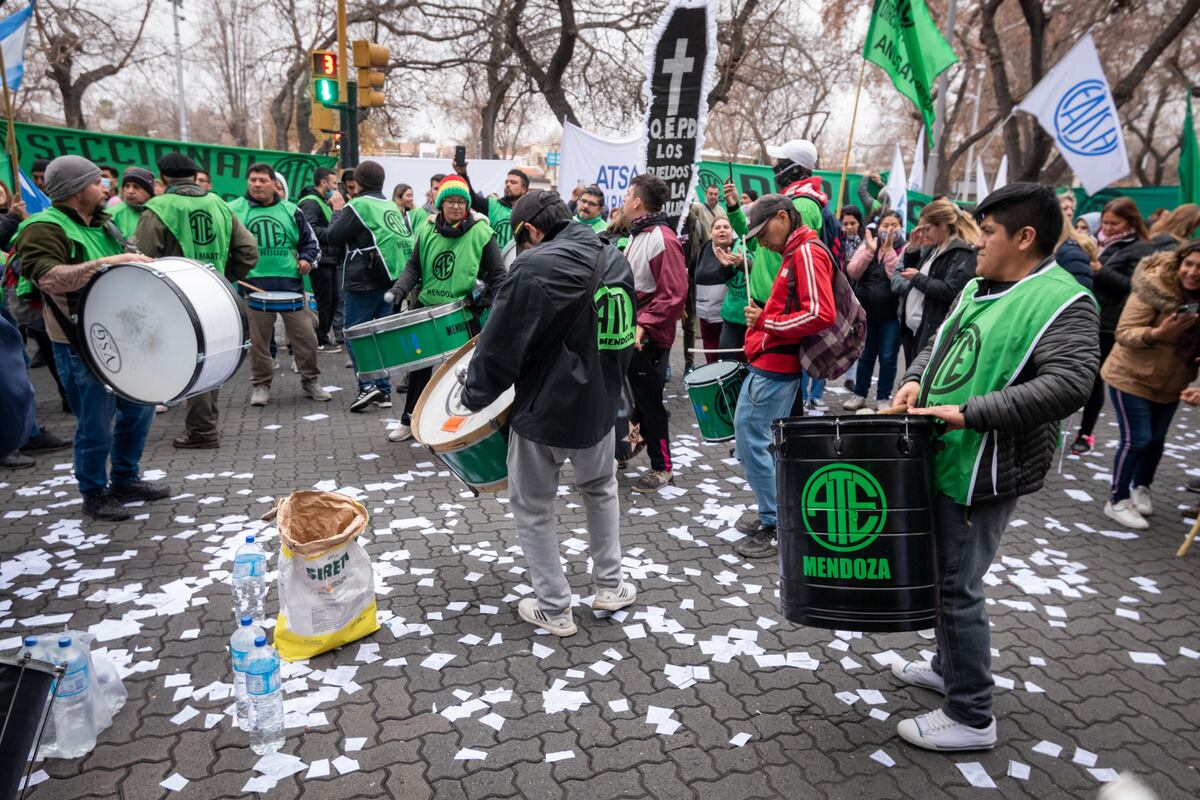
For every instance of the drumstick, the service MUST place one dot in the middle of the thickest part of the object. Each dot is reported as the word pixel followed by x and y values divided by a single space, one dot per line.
pixel 900 409
pixel 250 286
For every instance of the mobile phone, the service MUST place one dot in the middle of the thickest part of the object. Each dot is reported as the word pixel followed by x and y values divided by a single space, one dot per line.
pixel 342 189
pixel 460 155
pixel 1190 308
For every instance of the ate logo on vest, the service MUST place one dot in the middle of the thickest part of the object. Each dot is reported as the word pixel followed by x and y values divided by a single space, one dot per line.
pixel 443 265
pixel 201 224
pixel 269 233
pixel 615 324
pixel 394 223
pixel 843 507
pixel 960 362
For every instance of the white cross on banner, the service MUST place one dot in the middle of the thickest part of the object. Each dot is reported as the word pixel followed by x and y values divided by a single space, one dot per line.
pixel 1075 106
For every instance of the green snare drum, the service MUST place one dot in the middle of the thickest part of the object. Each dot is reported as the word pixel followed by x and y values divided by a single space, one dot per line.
pixel 713 390
pixel 472 445
pixel 405 342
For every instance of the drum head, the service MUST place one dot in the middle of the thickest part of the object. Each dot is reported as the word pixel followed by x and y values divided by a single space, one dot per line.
pixel 141 334
pixel 718 370
pixel 440 419
pixel 278 297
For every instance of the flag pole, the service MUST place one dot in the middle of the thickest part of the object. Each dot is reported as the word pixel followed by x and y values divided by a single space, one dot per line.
pixel 10 133
pixel 862 74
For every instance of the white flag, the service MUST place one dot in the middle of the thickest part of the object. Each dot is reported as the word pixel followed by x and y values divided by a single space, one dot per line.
pixel 981 187
pixel 1001 173
pixel 14 33
pixel 1075 106
pixel 897 186
pixel 916 175
pixel 590 159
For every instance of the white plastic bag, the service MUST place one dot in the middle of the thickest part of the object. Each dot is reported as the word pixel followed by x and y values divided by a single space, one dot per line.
pixel 107 692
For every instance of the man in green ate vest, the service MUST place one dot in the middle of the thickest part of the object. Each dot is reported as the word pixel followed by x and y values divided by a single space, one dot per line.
pixel 453 250
pixel 61 248
pixel 287 251
pixel 319 202
pixel 498 210
pixel 1017 355
pixel 187 221
pixel 137 187
pixel 588 208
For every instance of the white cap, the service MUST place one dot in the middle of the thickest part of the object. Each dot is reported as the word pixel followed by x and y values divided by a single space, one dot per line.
pixel 800 151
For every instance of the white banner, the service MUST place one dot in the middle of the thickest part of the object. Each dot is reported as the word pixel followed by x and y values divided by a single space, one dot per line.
pixel 1075 106
pixel 897 187
pixel 487 175
pixel 588 159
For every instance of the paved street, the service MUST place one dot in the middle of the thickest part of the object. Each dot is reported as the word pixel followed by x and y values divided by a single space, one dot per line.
pixel 705 654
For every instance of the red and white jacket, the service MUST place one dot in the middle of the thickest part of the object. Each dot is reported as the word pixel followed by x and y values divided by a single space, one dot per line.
pixel 773 343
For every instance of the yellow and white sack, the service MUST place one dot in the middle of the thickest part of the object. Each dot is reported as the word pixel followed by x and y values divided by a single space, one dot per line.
pixel 326 585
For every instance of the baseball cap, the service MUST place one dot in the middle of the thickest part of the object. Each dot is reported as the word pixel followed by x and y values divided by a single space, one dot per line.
pixel 763 209
pixel 799 151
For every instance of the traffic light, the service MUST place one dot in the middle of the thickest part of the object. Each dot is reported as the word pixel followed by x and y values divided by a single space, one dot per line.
pixel 370 60
pixel 325 77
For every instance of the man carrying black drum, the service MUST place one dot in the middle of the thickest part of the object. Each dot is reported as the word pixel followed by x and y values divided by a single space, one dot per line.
pixel 1017 354
pixel 61 248
pixel 561 330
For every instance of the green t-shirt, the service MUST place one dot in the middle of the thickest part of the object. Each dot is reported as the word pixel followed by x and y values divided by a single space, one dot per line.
pixel 449 266
pixel 733 307
pixel 203 225
pixel 767 262
pixel 500 218
pixel 596 223
pixel 274 228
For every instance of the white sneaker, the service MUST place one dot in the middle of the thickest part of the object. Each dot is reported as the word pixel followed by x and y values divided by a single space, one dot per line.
pixel 854 403
pixel 1125 514
pixel 159 408
pixel 936 731
pixel 1141 500
pixel 400 433
pixel 615 599
pixel 260 396
pixel 562 625
pixel 919 673
pixel 315 391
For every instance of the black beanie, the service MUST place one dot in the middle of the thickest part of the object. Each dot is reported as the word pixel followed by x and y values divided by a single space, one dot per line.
pixel 177 165
pixel 369 176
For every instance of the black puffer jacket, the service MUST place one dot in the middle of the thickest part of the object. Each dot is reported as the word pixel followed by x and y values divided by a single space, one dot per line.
pixel 364 267
pixel 571 402
pixel 1117 263
pixel 1022 420
pixel 311 203
pixel 948 274
pixel 1070 256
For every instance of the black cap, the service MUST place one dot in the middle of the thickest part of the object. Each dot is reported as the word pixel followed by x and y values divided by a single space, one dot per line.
pixel 177 165
pixel 763 209
pixel 529 207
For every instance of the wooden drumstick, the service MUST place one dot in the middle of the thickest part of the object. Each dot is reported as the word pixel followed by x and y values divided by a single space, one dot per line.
pixel 250 286
pixel 900 409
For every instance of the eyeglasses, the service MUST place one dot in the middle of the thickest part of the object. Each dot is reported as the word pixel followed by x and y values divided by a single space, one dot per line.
pixel 584 202
pixel 454 201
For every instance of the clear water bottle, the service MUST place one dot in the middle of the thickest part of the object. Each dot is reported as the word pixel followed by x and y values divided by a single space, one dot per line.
pixel 74 728
pixel 30 646
pixel 249 581
pixel 37 652
pixel 265 690
pixel 240 645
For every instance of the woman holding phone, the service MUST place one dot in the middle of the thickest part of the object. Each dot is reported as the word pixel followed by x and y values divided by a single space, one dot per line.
pixel 1152 362
pixel 871 268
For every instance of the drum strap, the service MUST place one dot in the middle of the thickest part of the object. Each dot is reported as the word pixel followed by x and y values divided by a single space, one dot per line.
pixel 567 320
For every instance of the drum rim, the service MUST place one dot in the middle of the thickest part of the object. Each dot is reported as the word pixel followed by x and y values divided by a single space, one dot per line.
pixel 403 369
pixel 739 367
pixel 848 422
pixel 35 664
pixel 446 309
pixel 384 324
pixel 500 420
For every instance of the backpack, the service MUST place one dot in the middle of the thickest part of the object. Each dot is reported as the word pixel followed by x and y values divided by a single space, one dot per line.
pixel 830 353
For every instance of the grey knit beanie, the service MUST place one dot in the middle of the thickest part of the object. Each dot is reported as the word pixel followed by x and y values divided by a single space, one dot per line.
pixel 67 176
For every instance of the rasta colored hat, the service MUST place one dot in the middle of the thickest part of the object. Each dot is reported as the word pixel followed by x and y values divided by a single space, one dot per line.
pixel 177 165
pixel 452 186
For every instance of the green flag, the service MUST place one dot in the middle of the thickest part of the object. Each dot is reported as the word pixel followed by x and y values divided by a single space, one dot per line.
pixel 1189 159
pixel 904 41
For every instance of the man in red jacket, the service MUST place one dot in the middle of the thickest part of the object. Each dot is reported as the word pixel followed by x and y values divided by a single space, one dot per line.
pixel 801 304
pixel 660 280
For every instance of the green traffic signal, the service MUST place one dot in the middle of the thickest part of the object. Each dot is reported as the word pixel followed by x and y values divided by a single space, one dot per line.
pixel 325 90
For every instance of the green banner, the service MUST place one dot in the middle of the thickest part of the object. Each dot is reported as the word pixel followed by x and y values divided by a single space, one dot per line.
pixel 225 165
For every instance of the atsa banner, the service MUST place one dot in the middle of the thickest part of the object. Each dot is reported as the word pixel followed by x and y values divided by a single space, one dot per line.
pixel 591 160
pixel 680 56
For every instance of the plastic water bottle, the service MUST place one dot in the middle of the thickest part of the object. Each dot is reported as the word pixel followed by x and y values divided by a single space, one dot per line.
pixel 240 645
pixel 249 581
pixel 37 652
pixel 30 647
pixel 73 723
pixel 265 690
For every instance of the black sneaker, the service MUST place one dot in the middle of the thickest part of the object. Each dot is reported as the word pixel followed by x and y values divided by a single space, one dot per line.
pixel 384 400
pixel 45 442
pixel 103 505
pixel 760 545
pixel 1083 444
pixel 749 525
pixel 1193 485
pixel 140 490
pixel 16 461
pixel 366 397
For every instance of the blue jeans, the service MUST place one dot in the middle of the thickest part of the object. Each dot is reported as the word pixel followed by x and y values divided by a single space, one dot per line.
pixel 1144 426
pixel 811 388
pixel 762 401
pixel 107 426
pixel 363 307
pixel 883 342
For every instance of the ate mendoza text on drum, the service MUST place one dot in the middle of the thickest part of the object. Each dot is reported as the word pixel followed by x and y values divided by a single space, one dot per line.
pixel 855 528
pixel 161 331
pixel 472 444
pixel 409 341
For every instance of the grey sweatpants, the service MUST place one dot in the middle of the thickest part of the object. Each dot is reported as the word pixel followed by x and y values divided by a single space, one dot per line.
pixel 533 471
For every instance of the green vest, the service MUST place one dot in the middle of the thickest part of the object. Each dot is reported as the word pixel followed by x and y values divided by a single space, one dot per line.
pixel 596 223
pixel 449 266
pixel 393 235
pixel 733 307
pixel 94 240
pixel 418 215
pixel 125 218
pixel 980 348
pixel 274 228
pixel 203 225
pixel 500 218
pixel 326 211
